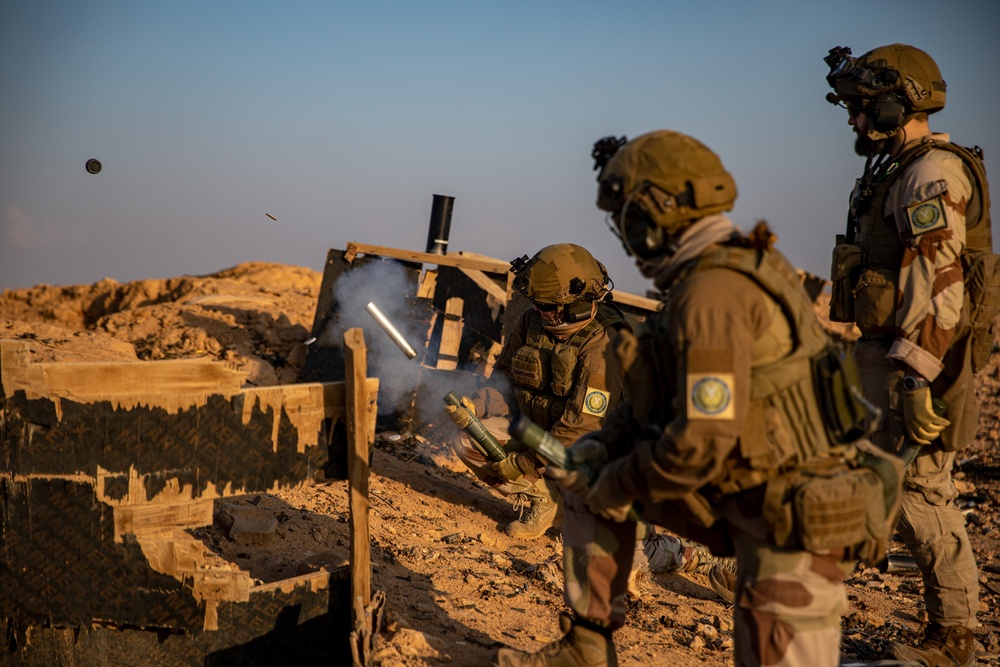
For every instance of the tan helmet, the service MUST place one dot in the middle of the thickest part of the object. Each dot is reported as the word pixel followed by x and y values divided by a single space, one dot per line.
pixel 897 73
pixel 670 178
pixel 561 274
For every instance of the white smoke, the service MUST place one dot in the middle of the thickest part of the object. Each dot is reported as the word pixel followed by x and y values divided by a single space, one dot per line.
pixel 384 283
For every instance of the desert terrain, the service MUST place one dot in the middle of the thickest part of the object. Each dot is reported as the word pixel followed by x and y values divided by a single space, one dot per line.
pixel 457 587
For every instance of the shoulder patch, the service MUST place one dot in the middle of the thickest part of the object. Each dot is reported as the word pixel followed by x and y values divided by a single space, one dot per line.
pixel 710 396
pixel 596 402
pixel 926 216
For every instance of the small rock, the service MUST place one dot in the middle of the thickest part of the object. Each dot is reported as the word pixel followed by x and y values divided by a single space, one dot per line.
pixel 723 623
pixel 696 642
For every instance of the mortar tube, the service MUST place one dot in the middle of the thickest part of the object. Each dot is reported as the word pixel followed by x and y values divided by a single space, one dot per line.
pixel 440 225
pixel 390 330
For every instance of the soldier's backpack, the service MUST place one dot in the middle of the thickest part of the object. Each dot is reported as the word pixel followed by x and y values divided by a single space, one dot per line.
pixel 980 266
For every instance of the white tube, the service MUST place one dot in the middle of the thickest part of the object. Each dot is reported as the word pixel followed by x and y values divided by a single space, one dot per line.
pixel 390 330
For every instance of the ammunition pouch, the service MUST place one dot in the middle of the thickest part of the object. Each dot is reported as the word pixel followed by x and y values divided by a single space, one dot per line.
pixel 847 503
pixel 846 258
pixel 564 358
pixel 542 408
pixel 875 298
pixel 530 367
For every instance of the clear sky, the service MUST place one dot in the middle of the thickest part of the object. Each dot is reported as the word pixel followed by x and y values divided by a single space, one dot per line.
pixel 342 119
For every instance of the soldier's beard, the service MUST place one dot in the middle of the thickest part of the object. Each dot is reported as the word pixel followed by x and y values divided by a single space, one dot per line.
pixel 867 147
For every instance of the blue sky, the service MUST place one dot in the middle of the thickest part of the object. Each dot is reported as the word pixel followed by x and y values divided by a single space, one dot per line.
pixel 343 119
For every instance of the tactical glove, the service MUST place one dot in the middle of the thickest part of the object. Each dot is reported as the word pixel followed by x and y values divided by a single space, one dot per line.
pixel 606 498
pixel 459 416
pixel 586 458
pixel 922 424
pixel 508 468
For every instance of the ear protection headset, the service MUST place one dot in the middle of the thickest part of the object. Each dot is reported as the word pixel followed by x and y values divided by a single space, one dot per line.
pixel 888 112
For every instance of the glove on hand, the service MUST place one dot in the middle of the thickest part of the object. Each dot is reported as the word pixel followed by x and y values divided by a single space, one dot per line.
pixel 606 498
pixel 922 424
pixel 459 416
pixel 508 468
pixel 587 457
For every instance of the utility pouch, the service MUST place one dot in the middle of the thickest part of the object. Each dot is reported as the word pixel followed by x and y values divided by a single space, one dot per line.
pixel 834 505
pixel 846 258
pixel 982 284
pixel 564 358
pixel 846 413
pixel 875 298
pixel 530 368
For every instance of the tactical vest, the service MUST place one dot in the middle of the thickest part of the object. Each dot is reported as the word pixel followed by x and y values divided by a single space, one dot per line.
pixel 877 276
pixel 785 424
pixel 543 369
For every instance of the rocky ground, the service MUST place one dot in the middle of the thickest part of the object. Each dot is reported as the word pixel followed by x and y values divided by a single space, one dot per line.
pixel 457 587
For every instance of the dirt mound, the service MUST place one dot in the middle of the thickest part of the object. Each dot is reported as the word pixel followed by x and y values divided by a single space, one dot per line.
pixel 255 316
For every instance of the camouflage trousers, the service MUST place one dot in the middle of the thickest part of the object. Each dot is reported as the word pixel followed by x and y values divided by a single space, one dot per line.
pixel 789 602
pixel 930 524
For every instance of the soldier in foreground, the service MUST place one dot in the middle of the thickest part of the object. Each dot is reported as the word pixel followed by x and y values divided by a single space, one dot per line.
pixel 558 367
pixel 919 218
pixel 722 420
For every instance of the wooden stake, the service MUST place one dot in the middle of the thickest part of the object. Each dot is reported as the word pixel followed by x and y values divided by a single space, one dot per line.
pixel 359 439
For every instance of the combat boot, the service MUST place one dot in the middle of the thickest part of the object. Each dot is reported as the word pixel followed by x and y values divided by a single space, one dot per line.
pixel 722 579
pixel 579 647
pixel 941 647
pixel 541 509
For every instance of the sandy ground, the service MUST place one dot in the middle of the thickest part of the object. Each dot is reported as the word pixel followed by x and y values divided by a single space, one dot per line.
pixel 457 587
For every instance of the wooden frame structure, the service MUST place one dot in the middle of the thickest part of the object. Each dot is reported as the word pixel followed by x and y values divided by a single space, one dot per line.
pixel 104 469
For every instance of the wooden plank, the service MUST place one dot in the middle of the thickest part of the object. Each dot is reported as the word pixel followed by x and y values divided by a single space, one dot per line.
pixel 486 284
pixel 428 283
pixel 645 303
pixel 451 334
pixel 359 439
pixel 97 380
pixel 458 261
pixel 161 518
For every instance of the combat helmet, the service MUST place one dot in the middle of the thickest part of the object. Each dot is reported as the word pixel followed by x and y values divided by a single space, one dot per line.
pixel 565 275
pixel 889 83
pixel 657 185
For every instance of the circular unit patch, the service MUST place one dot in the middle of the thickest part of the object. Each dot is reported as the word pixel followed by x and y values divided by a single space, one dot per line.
pixel 597 402
pixel 925 216
pixel 710 396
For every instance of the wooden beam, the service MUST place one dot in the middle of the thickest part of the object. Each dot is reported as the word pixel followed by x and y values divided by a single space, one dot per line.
pixel 652 305
pixel 486 284
pixel 451 334
pixel 359 438
pixel 458 261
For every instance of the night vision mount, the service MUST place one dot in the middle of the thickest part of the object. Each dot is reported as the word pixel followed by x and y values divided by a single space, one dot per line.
pixel 605 149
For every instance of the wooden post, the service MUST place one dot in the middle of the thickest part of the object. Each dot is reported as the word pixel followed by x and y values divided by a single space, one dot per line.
pixel 451 334
pixel 359 440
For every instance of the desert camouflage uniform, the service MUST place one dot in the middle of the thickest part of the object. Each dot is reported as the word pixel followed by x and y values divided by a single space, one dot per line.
pixel 930 333
pixel 720 324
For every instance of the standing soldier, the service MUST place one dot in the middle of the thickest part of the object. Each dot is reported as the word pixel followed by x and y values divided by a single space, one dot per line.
pixel 723 418
pixel 918 215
